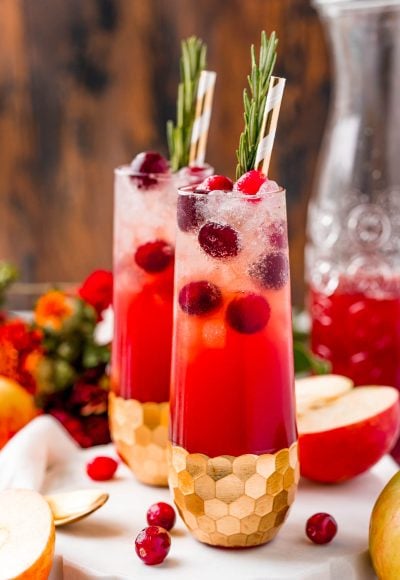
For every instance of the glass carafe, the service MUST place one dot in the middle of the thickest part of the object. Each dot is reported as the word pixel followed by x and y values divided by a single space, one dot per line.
pixel 353 250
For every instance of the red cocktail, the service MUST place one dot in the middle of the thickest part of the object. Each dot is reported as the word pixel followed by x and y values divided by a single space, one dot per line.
pixel 232 402
pixel 144 241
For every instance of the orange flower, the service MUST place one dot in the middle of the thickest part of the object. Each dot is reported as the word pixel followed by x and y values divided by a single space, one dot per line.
pixel 32 361
pixel 53 309
pixel 17 343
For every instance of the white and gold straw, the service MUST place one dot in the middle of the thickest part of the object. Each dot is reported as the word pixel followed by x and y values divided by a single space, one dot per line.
pixel 205 93
pixel 270 122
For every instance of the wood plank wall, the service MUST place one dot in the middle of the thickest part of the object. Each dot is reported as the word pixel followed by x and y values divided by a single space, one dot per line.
pixel 86 84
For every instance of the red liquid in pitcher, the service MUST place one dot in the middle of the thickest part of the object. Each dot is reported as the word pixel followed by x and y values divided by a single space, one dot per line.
pixel 358 332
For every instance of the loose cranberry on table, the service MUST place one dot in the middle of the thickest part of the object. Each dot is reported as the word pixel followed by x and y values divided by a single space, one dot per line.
pixel 250 182
pixel 101 468
pixel 321 528
pixel 154 257
pixel 152 545
pixel 161 514
pixel 214 183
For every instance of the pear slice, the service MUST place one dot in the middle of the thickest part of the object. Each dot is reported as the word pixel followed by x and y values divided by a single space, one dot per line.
pixel 27 536
pixel 318 391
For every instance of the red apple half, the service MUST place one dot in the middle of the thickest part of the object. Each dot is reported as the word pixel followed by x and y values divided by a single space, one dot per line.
pixel 349 434
pixel 319 390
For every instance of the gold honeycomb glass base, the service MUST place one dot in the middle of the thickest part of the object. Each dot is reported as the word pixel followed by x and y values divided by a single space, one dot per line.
pixel 233 501
pixel 140 433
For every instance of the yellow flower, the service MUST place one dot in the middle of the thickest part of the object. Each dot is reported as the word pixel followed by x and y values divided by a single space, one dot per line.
pixel 53 309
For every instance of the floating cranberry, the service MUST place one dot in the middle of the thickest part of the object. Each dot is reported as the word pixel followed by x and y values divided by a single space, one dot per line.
pixel 198 298
pixel 189 212
pixel 152 545
pixel 149 162
pixel 277 234
pixel 321 528
pixel 161 514
pixel 250 182
pixel 154 257
pixel 101 468
pixel 195 169
pixel 219 241
pixel 145 166
pixel 215 182
pixel 271 270
pixel 248 313
pixel 194 174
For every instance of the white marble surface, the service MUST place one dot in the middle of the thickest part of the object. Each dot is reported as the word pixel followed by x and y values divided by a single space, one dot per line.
pixel 43 457
pixel 102 545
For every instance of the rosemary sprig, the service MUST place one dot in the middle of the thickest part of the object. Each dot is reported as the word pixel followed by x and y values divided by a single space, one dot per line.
pixel 193 61
pixel 254 104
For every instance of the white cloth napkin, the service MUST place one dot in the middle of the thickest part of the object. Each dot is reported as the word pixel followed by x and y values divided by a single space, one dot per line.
pixel 32 451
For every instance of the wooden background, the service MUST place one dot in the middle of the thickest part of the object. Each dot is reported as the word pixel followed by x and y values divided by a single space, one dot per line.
pixel 84 85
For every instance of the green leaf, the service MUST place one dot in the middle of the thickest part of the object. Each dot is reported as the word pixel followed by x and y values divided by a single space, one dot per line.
pixel 305 361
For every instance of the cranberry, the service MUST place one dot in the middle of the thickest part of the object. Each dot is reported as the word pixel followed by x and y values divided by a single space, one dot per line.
pixel 219 241
pixel 101 468
pixel 277 235
pixel 271 270
pixel 145 166
pixel 154 257
pixel 195 169
pixel 149 162
pixel 195 172
pixel 199 298
pixel 215 182
pixel 152 545
pixel 321 528
pixel 161 514
pixel 250 182
pixel 189 212
pixel 248 313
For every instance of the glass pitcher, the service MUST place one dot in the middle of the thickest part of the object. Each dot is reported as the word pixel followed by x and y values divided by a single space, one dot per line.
pixel 353 249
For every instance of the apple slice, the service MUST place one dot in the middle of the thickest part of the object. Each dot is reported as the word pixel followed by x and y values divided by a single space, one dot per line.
pixel 348 435
pixel 27 536
pixel 317 391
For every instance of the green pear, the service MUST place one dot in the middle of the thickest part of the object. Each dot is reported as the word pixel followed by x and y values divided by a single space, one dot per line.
pixel 384 532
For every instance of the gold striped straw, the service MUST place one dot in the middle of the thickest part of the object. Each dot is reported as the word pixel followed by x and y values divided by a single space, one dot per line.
pixel 269 124
pixel 205 93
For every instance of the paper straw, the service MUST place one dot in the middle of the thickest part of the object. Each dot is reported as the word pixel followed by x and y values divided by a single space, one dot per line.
pixel 205 93
pixel 269 124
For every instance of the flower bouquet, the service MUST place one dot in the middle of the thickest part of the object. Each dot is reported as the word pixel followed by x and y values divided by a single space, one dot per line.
pixel 57 359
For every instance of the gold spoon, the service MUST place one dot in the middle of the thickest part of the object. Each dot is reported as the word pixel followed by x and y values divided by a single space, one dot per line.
pixel 71 506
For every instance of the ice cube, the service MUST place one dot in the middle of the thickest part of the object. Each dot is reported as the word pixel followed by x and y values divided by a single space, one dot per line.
pixel 269 186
